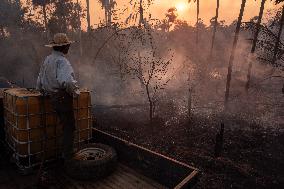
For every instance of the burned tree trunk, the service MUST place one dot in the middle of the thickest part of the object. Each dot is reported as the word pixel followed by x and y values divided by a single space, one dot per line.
pixel 80 34
pixel 197 22
pixel 106 16
pixel 140 70
pixel 189 102
pixel 141 11
pixel 45 20
pixel 105 6
pixel 109 17
pixel 258 25
pixel 278 37
pixel 232 57
pixel 88 15
pixel 219 141
pixel 109 12
pixel 151 104
pixel 215 28
pixel 197 19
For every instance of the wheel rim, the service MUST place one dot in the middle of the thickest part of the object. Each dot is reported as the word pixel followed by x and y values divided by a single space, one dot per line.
pixel 90 154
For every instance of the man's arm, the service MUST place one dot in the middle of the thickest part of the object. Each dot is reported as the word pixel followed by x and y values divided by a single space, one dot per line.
pixel 38 83
pixel 66 79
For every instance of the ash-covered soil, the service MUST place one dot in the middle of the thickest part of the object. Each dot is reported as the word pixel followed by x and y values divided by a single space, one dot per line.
pixel 252 157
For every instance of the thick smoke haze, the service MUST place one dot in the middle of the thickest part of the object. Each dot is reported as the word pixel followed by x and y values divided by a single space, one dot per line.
pixel 110 74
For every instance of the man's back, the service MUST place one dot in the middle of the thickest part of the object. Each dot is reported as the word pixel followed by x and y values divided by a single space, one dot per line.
pixel 56 74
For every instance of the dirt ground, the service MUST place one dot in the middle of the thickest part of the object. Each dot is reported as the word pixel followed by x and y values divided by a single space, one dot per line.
pixel 252 157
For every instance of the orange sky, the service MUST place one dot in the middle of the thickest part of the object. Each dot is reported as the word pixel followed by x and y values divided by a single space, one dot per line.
pixel 229 9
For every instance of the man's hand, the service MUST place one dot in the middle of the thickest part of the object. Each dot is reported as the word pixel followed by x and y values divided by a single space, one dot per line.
pixel 76 93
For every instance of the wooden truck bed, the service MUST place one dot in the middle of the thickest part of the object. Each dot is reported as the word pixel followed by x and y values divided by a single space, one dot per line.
pixel 123 177
pixel 168 172
pixel 138 168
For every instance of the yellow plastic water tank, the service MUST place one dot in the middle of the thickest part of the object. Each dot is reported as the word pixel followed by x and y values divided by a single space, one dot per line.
pixel 30 118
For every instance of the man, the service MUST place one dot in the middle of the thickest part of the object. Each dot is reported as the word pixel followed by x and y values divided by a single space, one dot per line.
pixel 56 80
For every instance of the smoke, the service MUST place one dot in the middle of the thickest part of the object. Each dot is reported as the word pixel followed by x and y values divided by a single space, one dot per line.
pixel 111 83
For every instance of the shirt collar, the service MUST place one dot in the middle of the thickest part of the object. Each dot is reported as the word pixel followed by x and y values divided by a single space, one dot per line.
pixel 58 53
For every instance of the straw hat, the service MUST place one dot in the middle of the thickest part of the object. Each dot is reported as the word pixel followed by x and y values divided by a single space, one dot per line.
pixel 60 39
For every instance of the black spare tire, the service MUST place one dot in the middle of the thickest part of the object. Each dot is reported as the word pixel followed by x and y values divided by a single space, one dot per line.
pixel 95 161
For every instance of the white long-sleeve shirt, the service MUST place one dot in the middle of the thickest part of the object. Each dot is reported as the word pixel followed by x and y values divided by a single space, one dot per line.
pixel 56 73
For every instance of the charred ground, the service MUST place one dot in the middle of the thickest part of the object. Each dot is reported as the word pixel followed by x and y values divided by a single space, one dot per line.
pixel 252 156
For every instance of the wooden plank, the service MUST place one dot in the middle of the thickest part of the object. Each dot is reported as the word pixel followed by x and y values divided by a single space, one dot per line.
pixel 147 180
pixel 123 177
pixel 185 182
pixel 135 180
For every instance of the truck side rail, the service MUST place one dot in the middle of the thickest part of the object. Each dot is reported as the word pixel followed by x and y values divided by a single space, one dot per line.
pixel 167 171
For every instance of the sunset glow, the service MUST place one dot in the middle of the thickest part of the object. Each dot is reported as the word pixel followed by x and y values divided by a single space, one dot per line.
pixel 181 6
pixel 229 10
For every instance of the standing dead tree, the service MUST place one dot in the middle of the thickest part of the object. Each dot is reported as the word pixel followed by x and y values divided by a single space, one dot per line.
pixel 219 141
pixel 232 57
pixel 153 73
pixel 139 7
pixel 88 15
pixel 215 28
pixel 80 32
pixel 111 6
pixel 141 11
pixel 255 38
pixel 266 44
pixel 197 18
pixel 278 37
pixel 143 62
pixel 136 56
pixel 108 5
pixel 190 91
pixel 105 5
